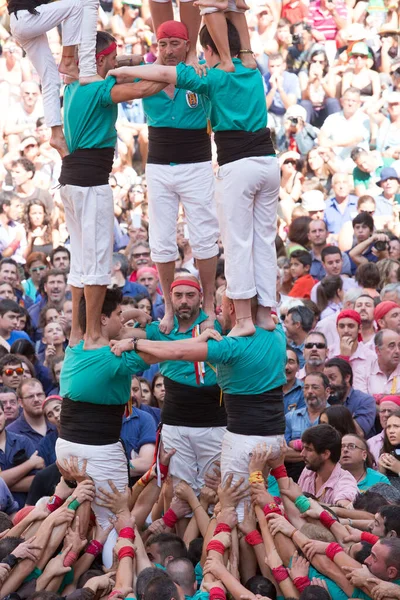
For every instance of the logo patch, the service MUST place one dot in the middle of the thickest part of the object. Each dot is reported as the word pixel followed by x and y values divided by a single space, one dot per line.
pixel 192 99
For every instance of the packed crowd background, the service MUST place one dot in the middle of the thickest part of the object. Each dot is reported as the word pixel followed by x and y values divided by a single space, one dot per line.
pixel 321 518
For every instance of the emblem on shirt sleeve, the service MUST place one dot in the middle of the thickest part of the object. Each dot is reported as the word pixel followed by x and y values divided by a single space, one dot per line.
pixel 192 99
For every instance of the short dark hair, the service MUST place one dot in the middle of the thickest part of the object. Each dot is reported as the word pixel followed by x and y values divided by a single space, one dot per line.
pixel 4 389
pixel 314 592
pixel 322 376
pixel 364 218
pixel 112 300
pixel 9 306
pixel 169 545
pixel 290 349
pixel 367 275
pixel 103 40
pixel 391 518
pixel 344 367
pixel 262 586
pixel 27 164
pixel 7 545
pixel 324 437
pixel 6 198
pixel 52 273
pixel 8 261
pixel 370 501
pixel 24 347
pixel 144 577
pixel 5 521
pixel 161 587
pixel 233 39
pixel 330 250
pixel 393 559
pixel 57 250
pixel 302 256
pixel 303 315
pixel 9 359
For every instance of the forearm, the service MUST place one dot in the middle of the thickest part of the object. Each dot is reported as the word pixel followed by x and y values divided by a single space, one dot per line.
pixel 200 513
pixel 15 474
pixel 145 503
pixel 124 577
pixel 270 97
pixel 158 73
pixel 23 485
pixel 356 252
pixel 287 99
pixel 140 466
pixel 191 351
pixel 234 587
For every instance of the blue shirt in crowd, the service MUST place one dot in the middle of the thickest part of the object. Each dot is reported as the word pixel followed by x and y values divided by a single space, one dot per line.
pixel 137 430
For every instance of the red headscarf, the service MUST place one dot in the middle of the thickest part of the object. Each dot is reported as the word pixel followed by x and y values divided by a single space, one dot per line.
pixel 383 308
pixel 394 399
pixel 350 314
pixel 172 29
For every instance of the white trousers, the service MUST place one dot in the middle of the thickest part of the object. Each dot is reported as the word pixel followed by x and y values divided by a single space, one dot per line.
pixel 197 448
pixel 89 214
pixel 247 198
pixel 193 186
pixel 30 32
pixel 103 463
pixel 235 457
pixel 211 9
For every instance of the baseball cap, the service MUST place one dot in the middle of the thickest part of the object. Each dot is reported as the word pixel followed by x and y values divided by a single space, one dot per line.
pixel 313 200
pixel 297 112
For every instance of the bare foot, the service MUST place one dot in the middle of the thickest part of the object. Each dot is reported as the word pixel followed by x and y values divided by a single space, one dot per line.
pixel 167 323
pixel 94 343
pixel 243 328
pixel 227 66
pixel 69 67
pixel 264 318
pixel 87 80
pixel 58 142
pixel 218 4
pixel 208 323
pixel 248 61
pixel 241 5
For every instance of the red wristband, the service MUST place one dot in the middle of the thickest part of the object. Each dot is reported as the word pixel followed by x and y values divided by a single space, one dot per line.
pixel 301 583
pixel 326 519
pixel 217 546
pixel 216 593
pixel 254 538
pixel 297 445
pixel 126 552
pixel 163 471
pixel 332 550
pixel 70 559
pixel 280 574
pixel 54 503
pixel 279 472
pixel 369 537
pixel 222 527
pixel 170 518
pixel 272 507
pixel 127 533
pixel 94 548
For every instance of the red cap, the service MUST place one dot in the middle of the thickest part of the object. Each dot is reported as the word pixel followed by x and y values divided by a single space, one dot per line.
pixel 172 29
pixel 21 514
pixel 383 308
pixel 394 399
pixel 350 314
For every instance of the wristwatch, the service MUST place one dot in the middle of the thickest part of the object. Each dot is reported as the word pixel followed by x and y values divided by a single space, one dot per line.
pixel 134 344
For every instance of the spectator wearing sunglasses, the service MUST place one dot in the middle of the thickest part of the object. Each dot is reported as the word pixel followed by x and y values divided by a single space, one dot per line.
pixel 315 354
pixel 36 265
pixel 11 371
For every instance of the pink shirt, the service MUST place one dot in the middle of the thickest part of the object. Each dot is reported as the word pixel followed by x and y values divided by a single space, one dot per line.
pixel 361 362
pixel 341 485
pixel 375 445
pixel 328 328
pixel 378 383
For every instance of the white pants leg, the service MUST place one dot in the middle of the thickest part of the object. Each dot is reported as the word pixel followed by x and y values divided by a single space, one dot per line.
pixel 197 448
pixel 30 32
pixel 89 214
pixel 243 200
pixel 206 10
pixel 103 463
pixel 235 457
pixel 264 215
pixel 193 185
pixel 87 48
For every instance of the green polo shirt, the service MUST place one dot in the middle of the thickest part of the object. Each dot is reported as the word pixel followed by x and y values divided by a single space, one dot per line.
pixel 237 98
pixel 250 365
pixel 334 590
pixel 182 371
pixel 360 594
pixel 371 479
pixel 98 376
pixel 186 110
pixel 90 115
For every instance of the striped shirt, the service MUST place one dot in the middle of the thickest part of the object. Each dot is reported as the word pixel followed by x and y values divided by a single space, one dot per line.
pixel 323 21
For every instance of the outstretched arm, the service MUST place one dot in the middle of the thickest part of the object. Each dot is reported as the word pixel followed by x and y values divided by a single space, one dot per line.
pixel 130 91
pixel 158 73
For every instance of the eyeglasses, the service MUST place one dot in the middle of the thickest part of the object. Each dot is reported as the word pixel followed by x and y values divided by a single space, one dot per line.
pixel 290 161
pixel 139 254
pixel 10 371
pixel 37 269
pixel 358 56
pixel 40 395
pixel 319 345
pixel 351 447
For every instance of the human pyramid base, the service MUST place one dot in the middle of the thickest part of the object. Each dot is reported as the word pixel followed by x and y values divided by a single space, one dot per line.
pixel 217 513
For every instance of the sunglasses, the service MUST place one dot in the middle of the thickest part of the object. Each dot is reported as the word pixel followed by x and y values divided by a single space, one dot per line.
pixel 37 269
pixel 319 345
pixel 290 161
pixel 10 371
pixel 358 56
pixel 139 254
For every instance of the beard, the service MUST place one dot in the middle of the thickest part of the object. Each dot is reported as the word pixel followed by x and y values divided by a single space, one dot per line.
pixel 338 392
pixel 315 362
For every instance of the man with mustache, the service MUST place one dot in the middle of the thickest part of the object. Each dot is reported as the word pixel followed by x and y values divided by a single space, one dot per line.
pixel 293 388
pixel 365 306
pixel 384 376
pixel 315 354
pixel 362 406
